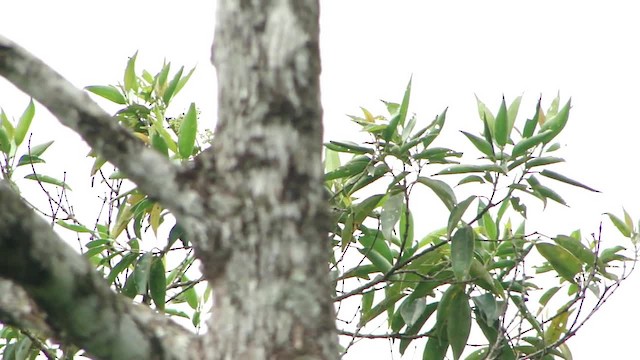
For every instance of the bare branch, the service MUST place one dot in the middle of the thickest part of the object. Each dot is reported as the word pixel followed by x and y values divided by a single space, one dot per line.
pixel 79 306
pixel 154 174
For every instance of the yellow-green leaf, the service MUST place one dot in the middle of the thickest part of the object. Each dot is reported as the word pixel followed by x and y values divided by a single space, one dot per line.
pixel 130 81
pixel 24 123
pixel 110 93
pixel 188 130
pixel 620 225
pixel 47 179
pixel 154 217
pixel 562 261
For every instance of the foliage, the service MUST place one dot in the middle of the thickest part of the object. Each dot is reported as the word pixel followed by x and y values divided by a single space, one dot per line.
pixel 482 267
pixel 477 270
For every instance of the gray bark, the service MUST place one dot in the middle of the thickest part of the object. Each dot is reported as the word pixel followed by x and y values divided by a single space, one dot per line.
pixel 252 205
pixel 273 300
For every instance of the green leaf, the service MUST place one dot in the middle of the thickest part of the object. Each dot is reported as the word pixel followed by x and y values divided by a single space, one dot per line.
pixel 110 93
pixel 404 106
pixel 436 349
pixel 412 310
pixel 442 190
pixel 392 107
pixel 141 273
pixel 73 227
pixel 559 177
pixel 512 113
pixel 457 212
pixel 158 143
pixel 577 248
pixel 462 246
pixel 48 180
pixel 5 143
pixel 356 166
pixel 173 85
pixel 544 299
pixel 471 179
pixel 557 122
pixel 29 160
pixel 191 296
pixel 121 266
pixel 363 209
pixel 419 314
pixel 557 327
pixel 39 149
pixel 348 147
pixel 378 260
pixel 406 226
pixel 459 324
pixel 527 143
pixel 130 81
pixel 390 130
pixel 486 115
pixel 389 302
pixel 24 123
pixel 6 124
pixel 542 161
pixel 188 130
pixel 464 169
pixel 480 143
pixel 158 282
pixel 390 214
pixel 183 80
pixel 562 261
pixel 501 133
pixel 620 225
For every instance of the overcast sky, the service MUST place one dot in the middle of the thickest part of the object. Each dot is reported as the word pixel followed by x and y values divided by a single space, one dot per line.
pixel 454 49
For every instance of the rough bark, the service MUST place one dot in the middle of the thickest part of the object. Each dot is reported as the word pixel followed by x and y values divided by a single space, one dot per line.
pixel 252 205
pixel 273 301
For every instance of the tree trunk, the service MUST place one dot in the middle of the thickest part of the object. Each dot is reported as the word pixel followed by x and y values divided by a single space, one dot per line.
pixel 252 205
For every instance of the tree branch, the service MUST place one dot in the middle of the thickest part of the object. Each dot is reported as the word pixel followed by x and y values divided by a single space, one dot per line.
pixel 154 174
pixel 17 309
pixel 80 307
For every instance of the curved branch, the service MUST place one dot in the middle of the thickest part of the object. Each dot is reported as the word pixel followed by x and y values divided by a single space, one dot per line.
pixel 79 305
pixel 154 174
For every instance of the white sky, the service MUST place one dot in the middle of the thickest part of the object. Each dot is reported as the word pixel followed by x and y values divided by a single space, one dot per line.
pixel 454 50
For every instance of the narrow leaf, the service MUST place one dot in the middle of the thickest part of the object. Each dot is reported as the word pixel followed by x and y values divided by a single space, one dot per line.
pixel 459 324
pixel 464 169
pixel 457 212
pixel 130 81
pixel 110 93
pixel 39 149
pixel 480 143
pixel 158 282
pixel 24 123
pixel 620 225
pixel 48 180
pixel 559 177
pixel 188 130
pixel 527 143
pixel 501 134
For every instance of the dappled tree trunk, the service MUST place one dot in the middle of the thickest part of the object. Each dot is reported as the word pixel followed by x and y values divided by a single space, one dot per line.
pixel 272 297
pixel 252 205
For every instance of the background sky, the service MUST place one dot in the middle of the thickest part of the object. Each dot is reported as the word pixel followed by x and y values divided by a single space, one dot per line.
pixel 455 49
